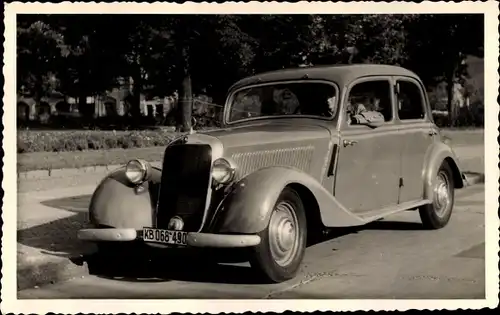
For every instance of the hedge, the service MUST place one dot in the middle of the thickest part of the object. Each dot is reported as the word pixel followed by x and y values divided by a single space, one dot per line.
pixel 83 140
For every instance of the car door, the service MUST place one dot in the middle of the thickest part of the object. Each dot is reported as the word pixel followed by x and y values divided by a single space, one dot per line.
pixel 417 134
pixel 368 169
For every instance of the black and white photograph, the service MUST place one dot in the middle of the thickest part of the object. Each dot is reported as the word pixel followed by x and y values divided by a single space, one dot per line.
pixel 250 157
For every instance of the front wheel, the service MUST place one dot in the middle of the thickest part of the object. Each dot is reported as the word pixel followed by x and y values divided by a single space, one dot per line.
pixel 437 214
pixel 279 255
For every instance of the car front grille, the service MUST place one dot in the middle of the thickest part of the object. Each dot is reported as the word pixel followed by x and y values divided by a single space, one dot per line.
pixel 184 185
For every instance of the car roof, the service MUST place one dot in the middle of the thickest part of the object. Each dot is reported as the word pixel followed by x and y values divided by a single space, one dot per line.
pixel 342 74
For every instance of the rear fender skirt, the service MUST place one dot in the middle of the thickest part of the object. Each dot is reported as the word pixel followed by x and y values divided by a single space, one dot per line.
pixel 248 207
pixel 115 202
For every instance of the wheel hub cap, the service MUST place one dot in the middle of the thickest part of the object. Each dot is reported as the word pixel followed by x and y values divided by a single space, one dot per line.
pixel 283 233
pixel 441 194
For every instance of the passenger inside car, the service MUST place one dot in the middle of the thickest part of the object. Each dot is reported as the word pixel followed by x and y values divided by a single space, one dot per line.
pixel 367 111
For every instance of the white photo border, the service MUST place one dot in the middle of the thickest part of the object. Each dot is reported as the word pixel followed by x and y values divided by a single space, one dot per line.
pixel 10 303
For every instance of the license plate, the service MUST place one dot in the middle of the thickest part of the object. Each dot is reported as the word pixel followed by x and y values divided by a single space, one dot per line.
pixel 165 236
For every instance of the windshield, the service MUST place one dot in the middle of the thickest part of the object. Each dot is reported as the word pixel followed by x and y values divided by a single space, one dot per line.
pixel 284 99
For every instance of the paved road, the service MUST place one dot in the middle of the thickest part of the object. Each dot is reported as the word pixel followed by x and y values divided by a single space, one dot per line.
pixel 387 259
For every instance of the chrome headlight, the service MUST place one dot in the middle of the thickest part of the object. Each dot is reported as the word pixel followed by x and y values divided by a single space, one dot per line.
pixel 223 172
pixel 137 171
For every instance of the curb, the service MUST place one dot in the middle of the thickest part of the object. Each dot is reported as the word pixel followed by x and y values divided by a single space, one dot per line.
pixel 45 174
pixel 69 172
pixel 473 178
pixel 44 273
pixel 64 269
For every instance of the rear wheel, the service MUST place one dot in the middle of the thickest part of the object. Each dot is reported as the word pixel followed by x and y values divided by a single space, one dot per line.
pixel 437 214
pixel 279 255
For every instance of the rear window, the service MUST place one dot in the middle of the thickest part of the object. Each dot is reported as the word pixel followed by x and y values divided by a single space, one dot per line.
pixel 284 99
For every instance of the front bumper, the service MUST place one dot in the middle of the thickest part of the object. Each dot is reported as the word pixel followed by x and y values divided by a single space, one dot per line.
pixel 194 239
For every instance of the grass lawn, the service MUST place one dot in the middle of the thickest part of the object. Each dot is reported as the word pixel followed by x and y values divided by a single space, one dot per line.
pixel 59 160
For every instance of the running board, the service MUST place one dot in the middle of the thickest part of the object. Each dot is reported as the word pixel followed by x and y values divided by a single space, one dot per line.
pixel 379 214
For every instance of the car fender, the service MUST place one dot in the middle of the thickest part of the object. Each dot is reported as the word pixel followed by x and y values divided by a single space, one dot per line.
pixel 436 155
pixel 115 202
pixel 247 208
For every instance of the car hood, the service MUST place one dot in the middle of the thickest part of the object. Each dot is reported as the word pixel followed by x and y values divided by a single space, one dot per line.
pixel 260 134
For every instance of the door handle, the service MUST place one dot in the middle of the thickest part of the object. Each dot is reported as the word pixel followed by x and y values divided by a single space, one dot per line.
pixel 349 142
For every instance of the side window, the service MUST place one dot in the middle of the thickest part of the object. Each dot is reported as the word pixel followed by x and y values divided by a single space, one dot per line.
pixel 370 100
pixel 410 101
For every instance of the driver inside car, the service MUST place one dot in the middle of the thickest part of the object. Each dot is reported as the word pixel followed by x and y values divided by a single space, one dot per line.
pixel 288 103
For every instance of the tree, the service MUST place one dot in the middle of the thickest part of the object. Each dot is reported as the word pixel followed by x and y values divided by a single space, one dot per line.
pixel 140 42
pixel 39 51
pixel 206 48
pixel 363 38
pixel 191 53
pixel 280 41
pixel 79 66
pixel 439 45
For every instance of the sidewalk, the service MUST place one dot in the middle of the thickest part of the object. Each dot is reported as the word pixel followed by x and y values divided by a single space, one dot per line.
pixel 46 225
pixel 471 158
pixel 48 220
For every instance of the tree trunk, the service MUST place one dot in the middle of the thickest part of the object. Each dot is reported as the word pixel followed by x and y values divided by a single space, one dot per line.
pixel 83 108
pixel 185 105
pixel 135 106
pixel 87 111
pixel 449 91
pixel 38 94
